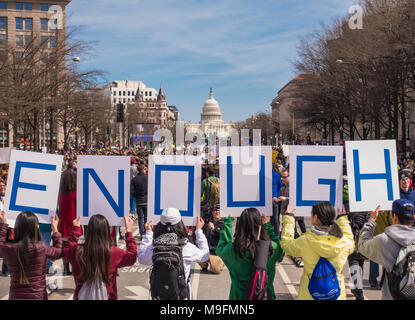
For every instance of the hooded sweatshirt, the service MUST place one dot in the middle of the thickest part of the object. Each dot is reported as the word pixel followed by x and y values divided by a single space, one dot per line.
pixel 384 248
pixel 315 243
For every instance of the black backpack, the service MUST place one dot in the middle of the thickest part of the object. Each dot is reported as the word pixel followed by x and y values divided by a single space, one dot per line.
pixel 401 280
pixel 257 288
pixel 167 278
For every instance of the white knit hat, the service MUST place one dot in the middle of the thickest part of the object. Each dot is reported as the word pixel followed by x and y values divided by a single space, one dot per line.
pixel 170 215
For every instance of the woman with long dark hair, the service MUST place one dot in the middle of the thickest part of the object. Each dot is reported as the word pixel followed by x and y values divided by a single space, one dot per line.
pixel 26 256
pixel 239 255
pixel 96 260
pixel 328 238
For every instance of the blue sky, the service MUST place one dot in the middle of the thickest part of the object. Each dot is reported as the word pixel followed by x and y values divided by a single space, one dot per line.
pixel 240 48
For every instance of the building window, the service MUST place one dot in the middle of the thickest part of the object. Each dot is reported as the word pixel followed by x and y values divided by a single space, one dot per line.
pixel 44 7
pixel 19 24
pixel 28 40
pixel 28 6
pixel 3 5
pixel 115 93
pixel 19 40
pixel 52 42
pixel 128 93
pixel 150 94
pixel 19 5
pixel 44 41
pixel 44 24
pixel 3 39
pixel 146 93
pixel 115 100
pixel 124 100
pixel 123 94
pixel 3 23
pixel 28 24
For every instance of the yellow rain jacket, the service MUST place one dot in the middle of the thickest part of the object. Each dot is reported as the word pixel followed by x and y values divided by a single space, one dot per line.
pixel 310 247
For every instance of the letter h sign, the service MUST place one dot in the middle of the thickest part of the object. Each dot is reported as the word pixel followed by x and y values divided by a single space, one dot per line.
pixel 372 172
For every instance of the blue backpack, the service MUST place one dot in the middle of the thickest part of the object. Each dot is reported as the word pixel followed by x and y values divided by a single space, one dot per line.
pixel 324 284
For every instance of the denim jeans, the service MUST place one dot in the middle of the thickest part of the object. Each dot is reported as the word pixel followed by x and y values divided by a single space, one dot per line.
pixel 132 204
pixel 276 218
pixel 373 273
pixel 47 237
pixel 142 218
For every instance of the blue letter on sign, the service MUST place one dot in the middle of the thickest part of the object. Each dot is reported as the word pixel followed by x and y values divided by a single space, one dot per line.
pixel 22 185
pixel 241 204
pixel 330 182
pixel 358 177
pixel 119 209
pixel 190 192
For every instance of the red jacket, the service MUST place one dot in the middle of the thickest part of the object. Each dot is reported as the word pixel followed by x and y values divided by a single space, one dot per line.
pixel 67 212
pixel 118 258
pixel 36 289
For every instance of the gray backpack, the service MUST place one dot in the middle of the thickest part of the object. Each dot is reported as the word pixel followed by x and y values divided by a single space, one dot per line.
pixel 96 290
pixel 401 279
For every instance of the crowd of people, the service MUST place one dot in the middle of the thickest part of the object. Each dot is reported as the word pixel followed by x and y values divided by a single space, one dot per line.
pixel 333 240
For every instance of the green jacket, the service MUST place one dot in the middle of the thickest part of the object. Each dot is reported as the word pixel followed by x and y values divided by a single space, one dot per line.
pixel 240 268
pixel 205 189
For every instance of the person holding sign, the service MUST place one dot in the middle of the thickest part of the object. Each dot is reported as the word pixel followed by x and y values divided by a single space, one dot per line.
pixel 176 253
pixel 328 238
pixel 95 262
pixel 27 255
pixel 385 248
pixel 239 255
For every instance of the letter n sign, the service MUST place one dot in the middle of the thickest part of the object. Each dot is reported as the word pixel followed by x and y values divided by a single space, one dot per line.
pixel 103 187
pixel 372 174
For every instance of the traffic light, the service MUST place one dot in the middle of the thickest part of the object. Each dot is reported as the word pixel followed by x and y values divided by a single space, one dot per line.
pixel 120 112
pixel 308 140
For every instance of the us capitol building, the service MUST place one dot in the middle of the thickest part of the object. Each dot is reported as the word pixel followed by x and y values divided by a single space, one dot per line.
pixel 211 119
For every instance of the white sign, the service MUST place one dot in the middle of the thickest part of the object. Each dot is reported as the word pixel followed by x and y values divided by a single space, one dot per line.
pixel 245 179
pixel 33 185
pixel 316 174
pixel 103 187
pixel 5 155
pixel 174 182
pixel 372 174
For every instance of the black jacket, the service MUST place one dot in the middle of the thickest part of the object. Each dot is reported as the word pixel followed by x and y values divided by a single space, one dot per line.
pixel 139 188
pixel 212 236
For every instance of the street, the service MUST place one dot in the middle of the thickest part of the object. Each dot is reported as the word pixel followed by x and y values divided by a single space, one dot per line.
pixel 133 282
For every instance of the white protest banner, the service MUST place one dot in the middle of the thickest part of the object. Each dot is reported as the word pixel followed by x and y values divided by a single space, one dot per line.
pixel 5 155
pixel 33 185
pixel 174 182
pixel 372 174
pixel 245 179
pixel 103 187
pixel 316 174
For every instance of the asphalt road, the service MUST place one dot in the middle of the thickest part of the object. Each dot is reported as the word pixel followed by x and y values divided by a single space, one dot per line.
pixel 133 282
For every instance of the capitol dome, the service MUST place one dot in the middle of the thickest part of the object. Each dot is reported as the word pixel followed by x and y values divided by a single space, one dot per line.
pixel 211 110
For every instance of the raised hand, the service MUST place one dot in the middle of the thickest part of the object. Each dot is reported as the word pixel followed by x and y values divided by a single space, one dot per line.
pixel 77 222
pixel 54 223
